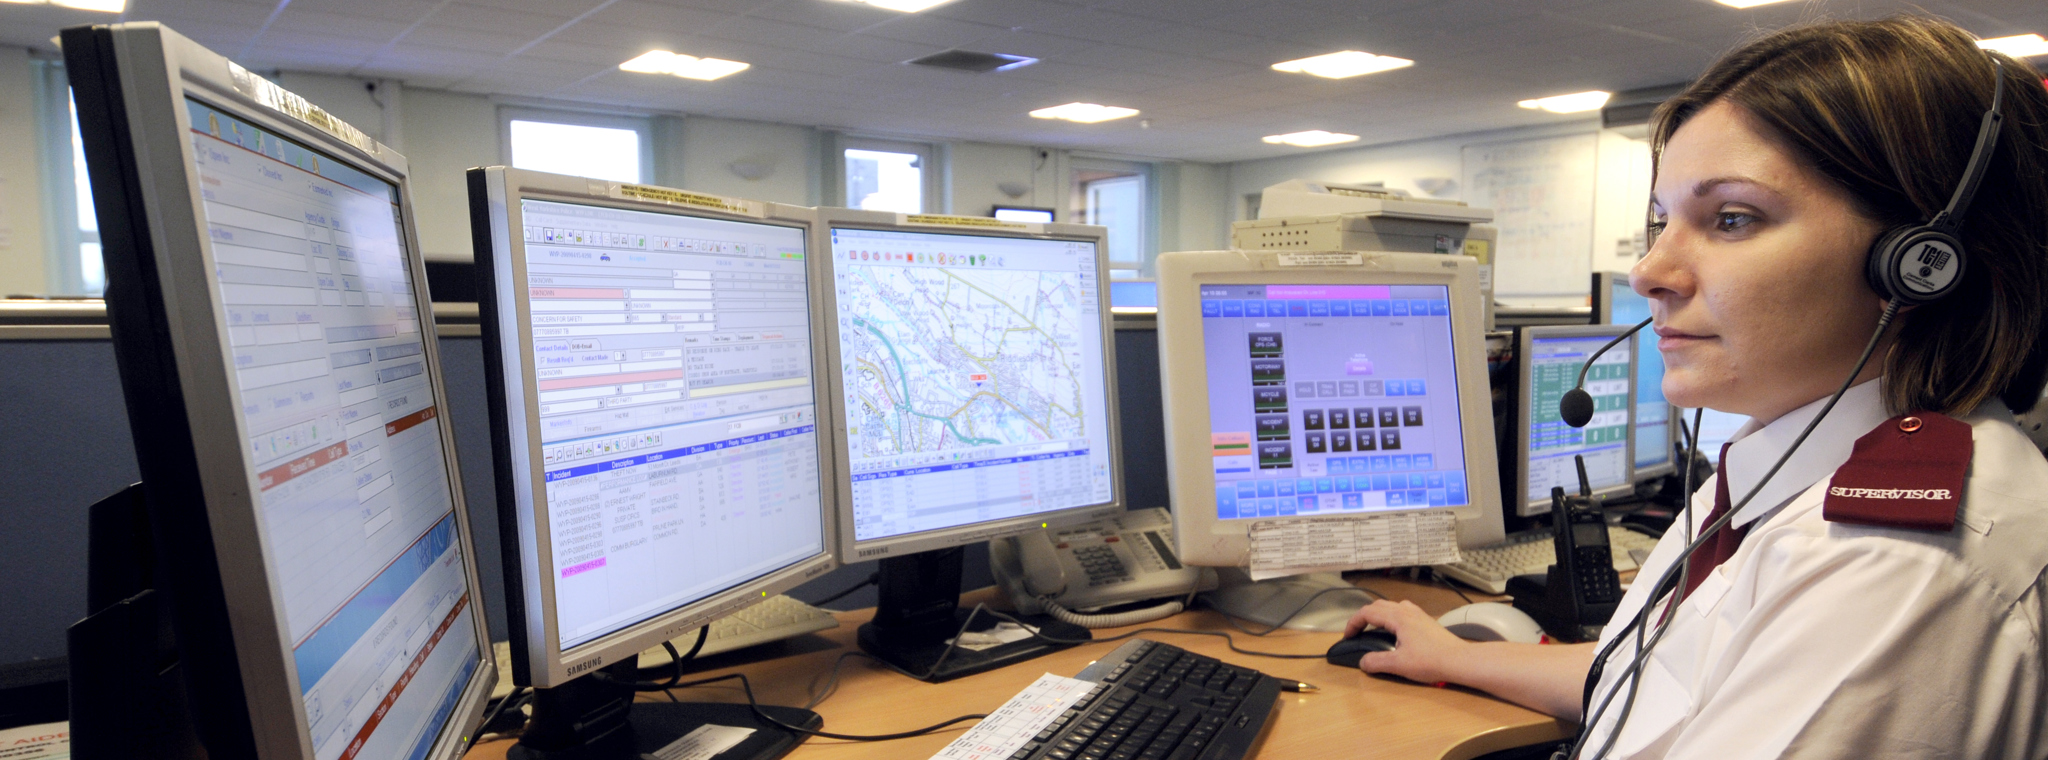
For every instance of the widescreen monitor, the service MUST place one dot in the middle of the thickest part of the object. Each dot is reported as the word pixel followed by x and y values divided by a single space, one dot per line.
pixel 273 332
pixel 1322 392
pixel 655 418
pixel 1655 430
pixel 1547 449
pixel 976 396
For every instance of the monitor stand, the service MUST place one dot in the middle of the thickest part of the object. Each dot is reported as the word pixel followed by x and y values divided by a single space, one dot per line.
pixel 1268 602
pixel 919 611
pixel 587 719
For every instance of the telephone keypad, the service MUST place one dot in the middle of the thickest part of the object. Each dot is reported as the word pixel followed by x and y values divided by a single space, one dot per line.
pixel 1102 564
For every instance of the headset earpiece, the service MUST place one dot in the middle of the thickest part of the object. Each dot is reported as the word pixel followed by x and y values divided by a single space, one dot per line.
pixel 1920 263
pixel 1915 264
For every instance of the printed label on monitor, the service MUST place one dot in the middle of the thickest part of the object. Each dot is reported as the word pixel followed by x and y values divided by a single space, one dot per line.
pixel 672 359
pixel 973 369
pixel 1332 399
pixel 344 446
pixel 1553 369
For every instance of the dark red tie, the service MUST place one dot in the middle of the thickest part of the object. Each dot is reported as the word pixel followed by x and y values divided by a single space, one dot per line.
pixel 1718 547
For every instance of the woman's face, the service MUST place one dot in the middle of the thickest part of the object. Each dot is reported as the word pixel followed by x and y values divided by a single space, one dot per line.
pixel 1756 277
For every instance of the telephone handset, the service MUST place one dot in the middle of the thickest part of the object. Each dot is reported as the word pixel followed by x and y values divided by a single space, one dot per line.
pixel 1124 559
pixel 1579 593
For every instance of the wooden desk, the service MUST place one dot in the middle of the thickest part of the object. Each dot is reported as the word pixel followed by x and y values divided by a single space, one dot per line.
pixel 1353 715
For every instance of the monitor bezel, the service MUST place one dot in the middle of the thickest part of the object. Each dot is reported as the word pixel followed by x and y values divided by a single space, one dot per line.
pixel 1205 539
pixel 1524 343
pixel 851 550
pixel 1604 284
pixel 171 340
pixel 495 195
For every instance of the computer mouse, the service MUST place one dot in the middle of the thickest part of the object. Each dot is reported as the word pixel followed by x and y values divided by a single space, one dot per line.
pixel 1492 621
pixel 1347 652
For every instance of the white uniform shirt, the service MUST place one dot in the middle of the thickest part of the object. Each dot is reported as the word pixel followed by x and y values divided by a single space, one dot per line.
pixel 1820 639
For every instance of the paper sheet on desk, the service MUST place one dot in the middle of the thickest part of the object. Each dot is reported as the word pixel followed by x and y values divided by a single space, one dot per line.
pixel 1293 546
pixel 1011 726
pixel 48 741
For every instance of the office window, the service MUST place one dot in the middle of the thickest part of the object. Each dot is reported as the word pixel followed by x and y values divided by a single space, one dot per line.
pixel 1117 195
pixel 92 271
pixel 887 176
pixel 613 148
pixel 72 230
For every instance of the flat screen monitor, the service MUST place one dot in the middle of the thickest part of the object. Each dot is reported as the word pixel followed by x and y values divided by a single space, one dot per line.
pixel 1547 448
pixel 1716 428
pixel 1623 306
pixel 1322 391
pixel 1023 214
pixel 649 362
pixel 1134 296
pixel 976 394
pixel 285 395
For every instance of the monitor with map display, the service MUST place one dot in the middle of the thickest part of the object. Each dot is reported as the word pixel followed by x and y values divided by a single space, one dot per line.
pixel 972 362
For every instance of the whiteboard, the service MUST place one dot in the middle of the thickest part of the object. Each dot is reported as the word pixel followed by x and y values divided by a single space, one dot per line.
pixel 1541 193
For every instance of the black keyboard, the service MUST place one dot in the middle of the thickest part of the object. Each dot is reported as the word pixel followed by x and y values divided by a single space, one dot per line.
pixel 1160 702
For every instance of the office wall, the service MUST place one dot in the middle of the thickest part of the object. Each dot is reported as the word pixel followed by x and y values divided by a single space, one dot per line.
pixel 23 257
pixel 445 134
pixel 711 146
pixel 979 169
pixel 1194 206
pixel 1621 185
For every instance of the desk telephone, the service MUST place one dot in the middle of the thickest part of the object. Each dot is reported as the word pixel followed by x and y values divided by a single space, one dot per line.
pixel 1124 559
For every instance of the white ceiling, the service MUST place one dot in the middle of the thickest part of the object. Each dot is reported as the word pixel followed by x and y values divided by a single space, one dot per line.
pixel 1197 68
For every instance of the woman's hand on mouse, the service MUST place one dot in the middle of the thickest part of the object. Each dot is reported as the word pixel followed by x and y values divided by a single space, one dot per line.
pixel 1425 649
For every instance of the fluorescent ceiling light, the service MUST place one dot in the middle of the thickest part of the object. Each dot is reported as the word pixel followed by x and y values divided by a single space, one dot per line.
pixel 103 6
pixel 2017 46
pixel 1314 138
pixel 1085 113
pixel 685 66
pixel 1573 103
pixel 906 6
pixel 1747 3
pixel 1348 63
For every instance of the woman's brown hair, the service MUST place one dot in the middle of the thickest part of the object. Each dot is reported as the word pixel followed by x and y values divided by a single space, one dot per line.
pixel 1889 110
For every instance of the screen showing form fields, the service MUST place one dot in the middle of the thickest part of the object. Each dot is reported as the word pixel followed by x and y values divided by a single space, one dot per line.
pixel 672 361
pixel 974 378
pixel 344 449
pixel 1327 399
pixel 1553 369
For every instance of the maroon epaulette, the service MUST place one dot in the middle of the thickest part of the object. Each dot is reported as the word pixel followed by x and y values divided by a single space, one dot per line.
pixel 1907 473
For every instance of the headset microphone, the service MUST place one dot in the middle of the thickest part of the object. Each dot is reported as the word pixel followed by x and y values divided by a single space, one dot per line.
pixel 1577 405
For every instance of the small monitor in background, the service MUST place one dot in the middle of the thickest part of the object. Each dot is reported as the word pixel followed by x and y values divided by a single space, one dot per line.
pixel 1023 214
pixel 1133 296
pixel 1550 358
pixel 654 419
pixel 1621 305
pixel 975 371
pixel 1354 396
pixel 1715 429
pixel 276 348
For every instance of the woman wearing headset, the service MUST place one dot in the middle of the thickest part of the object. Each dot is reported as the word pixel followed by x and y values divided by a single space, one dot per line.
pixel 1881 595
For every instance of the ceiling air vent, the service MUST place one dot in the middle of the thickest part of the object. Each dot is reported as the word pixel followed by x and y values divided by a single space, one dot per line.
pixel 968 60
